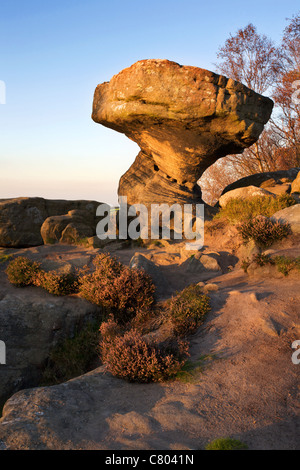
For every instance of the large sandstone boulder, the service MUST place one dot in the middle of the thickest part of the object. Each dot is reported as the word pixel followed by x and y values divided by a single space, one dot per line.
pixel 21 218
pixel 32 323
pixel 296 184
pixel 274 181
pixel 244 193
pixel 183 118
pixel 69 228
pixel 290 215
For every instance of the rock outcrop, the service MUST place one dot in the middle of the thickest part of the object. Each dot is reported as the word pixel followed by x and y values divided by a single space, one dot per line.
pixel 290 215
pixel 138 261
pixel 296 185
pixel 244 193
pixel 184 119
pixel 69 228
pixel 272 181
pixel 32 323
pixel 21 218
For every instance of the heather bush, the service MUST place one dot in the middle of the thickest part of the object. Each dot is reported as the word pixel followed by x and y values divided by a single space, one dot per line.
pixel 261 259
pixel 129 356
pixel 120 289
pixel 240 210
pixel 22 272
pixel 56 283
pixel 263 231
pixel 188 309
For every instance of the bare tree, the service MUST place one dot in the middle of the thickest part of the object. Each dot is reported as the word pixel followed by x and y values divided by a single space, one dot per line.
pixel 250 59
pixel 286 125
pixel 254 60
pixel 216 178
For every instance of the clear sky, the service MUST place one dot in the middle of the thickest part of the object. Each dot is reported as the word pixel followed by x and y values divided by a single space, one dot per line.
pixel 54 53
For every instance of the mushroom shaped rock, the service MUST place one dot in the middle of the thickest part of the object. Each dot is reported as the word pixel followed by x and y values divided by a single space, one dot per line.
pixel 183 118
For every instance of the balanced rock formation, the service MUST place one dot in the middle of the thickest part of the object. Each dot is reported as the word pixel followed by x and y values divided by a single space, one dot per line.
pixel 183 118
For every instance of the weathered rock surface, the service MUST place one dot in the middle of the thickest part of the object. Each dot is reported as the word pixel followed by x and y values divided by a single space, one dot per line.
pixel 291 215
pixel 272 270
pixel 183 118
pixel 244 193
pixel 203 263
pixel 32 323
pixel 206 266
pixel 69 228
pixel 21 218
pixel 247 251
pixel 296 184
pixel 72 265
pixel 138 261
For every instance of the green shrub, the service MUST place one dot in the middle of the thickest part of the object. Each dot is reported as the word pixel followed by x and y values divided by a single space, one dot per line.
pixel 188 309
pixel 4 258
pixel 72 357
pixel 123 291
pixel 284 264
pixel 239 210
pixel 226 444
pixel 129 356
pixel 263 231
pixel 191 370
pixel 22 272
pixel 245 264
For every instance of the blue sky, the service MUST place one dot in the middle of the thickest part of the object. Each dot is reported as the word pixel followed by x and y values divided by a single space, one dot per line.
pixel 53 55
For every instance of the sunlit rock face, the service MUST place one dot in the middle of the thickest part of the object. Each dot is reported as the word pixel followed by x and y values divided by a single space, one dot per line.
pixel 183 118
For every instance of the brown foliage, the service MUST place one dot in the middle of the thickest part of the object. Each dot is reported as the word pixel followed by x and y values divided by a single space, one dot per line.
pixel 254 60
pixel 129 356
pixel 118 288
